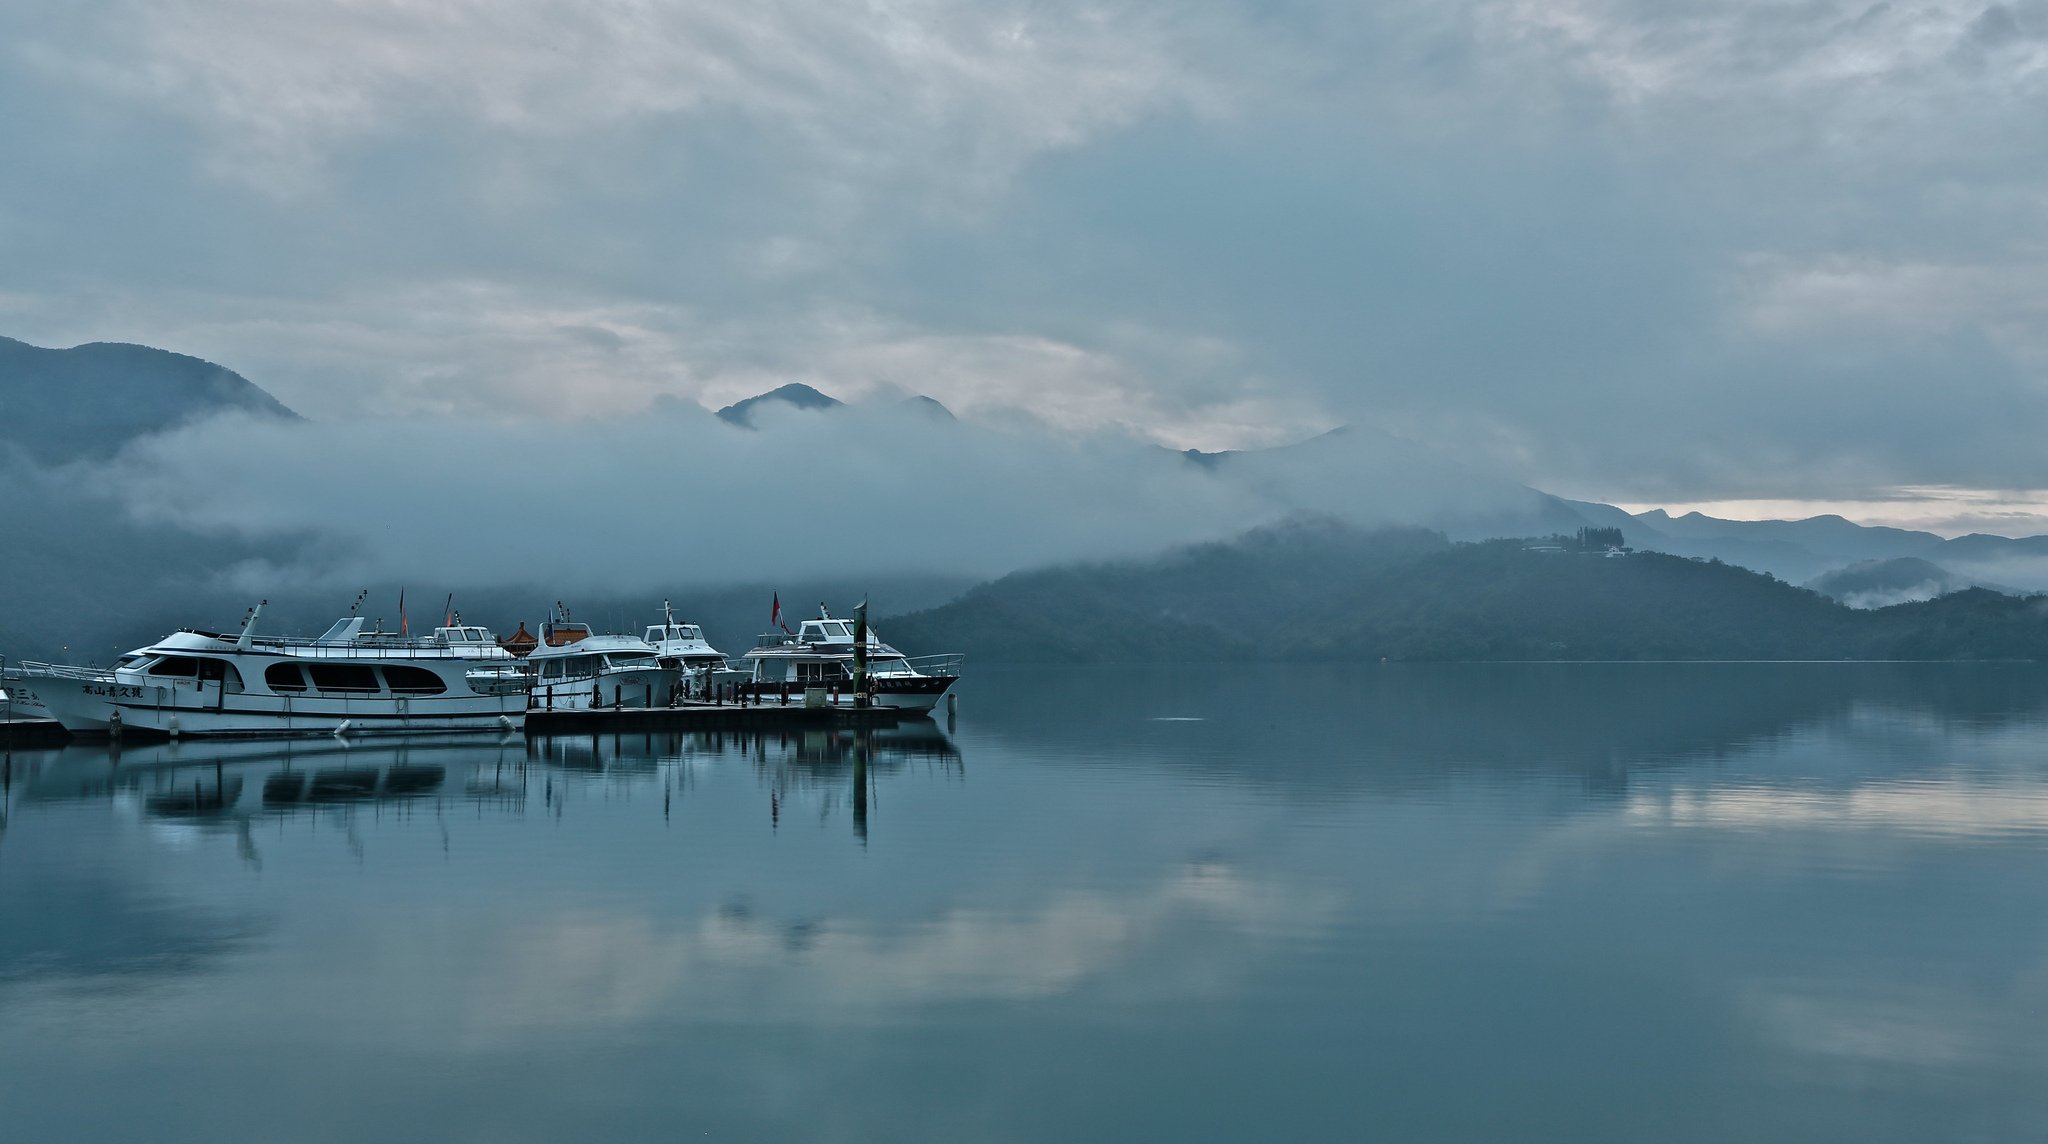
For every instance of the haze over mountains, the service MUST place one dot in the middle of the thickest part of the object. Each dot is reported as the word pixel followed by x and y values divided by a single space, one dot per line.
pixel 129 503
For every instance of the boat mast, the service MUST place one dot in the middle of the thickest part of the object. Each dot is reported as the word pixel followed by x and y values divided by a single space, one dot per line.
pixel 249 625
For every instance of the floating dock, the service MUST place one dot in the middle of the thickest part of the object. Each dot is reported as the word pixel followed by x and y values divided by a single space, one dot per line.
pixel 544 722
pixel 714 717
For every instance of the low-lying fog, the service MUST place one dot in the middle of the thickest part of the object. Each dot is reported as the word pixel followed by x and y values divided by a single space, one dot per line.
pixel 215 515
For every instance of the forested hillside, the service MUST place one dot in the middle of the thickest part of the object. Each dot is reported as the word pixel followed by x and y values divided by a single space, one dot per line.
pixel 1318 590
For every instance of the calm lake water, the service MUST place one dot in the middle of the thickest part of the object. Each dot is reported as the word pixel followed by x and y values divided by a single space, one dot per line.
pixel 1528 902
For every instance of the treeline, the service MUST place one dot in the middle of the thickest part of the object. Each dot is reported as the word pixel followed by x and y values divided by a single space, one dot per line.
pixel 1322 591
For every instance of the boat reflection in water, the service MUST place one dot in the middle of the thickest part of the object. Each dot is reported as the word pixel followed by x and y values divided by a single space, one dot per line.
pixel 815 765
pixel 226 785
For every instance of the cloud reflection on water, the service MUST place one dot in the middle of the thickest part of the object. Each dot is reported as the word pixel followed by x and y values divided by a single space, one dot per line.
pixel 589 968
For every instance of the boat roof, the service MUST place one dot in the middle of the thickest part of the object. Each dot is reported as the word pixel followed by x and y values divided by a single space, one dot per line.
pixel 345 639
pixel 590 645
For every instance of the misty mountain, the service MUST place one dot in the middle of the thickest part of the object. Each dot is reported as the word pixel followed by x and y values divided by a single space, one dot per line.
pixel 284 509
pixel 89 400
pixel 1881 583
pixel 1318 590
pixel 795 394
pixel 931 407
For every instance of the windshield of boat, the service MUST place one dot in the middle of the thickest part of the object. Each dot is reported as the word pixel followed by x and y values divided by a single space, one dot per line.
pixel 659 633
pixel 628 658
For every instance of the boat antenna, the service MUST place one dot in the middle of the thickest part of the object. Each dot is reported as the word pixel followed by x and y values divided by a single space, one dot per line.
pixel 358 605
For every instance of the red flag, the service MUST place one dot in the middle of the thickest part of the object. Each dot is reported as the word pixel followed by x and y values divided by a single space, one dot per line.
pixel 402 627
pixel 775 611
pixel 449 610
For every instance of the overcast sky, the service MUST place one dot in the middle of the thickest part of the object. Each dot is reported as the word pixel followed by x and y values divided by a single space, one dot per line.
pixel 1642 252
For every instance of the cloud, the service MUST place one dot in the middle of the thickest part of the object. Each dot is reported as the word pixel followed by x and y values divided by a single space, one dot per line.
pixel 676 496
pixel 966 91
pixel 1637 252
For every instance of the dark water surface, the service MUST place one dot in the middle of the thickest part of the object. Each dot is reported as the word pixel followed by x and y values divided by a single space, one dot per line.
pixel 1570 903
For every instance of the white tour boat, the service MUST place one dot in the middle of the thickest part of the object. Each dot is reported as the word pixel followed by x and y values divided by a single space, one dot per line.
pixel 816 664
pixel 575 670
pixel 683 647
pixel 346 681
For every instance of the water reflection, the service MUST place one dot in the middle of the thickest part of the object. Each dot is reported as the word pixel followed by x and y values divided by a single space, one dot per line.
pixel 228 784
pixel 1315 730
pixel 830 766
pixel 1674 902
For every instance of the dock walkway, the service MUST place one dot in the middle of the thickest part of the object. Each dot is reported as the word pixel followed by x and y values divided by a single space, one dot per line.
pixel 712 717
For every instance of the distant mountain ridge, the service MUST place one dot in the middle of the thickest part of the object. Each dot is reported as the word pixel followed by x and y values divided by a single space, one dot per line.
pixel 58 405
pixel 1319 590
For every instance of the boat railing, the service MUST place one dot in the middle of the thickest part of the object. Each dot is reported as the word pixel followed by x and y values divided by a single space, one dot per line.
pixel 946 665
pixel 33 668
pixel 368 645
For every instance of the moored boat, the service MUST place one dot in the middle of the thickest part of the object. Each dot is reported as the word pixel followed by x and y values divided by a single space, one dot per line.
pixel 682 646
pixel 575 669
pixel 819 662
pixel 348 680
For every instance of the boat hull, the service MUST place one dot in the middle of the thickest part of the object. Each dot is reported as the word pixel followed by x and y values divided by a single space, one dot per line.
pixel 96 707
pixel 617 687
pixel 905 693
pixel 24 701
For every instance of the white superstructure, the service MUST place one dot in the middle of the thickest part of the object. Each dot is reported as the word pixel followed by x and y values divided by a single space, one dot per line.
pixel 348 680
pixel 682 645
pixel 575 670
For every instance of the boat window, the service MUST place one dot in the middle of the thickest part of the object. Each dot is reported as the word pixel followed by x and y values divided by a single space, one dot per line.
pixel 182 665
pixel 284 677
pixel 129 661
pixel 890 663
pixel 405 679
pixel 771 670
pixel 219 670
pixel 628 658
pixel 551 669
pixel 344 677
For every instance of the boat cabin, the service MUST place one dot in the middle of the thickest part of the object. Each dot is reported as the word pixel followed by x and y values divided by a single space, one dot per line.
pixel 466 638
pixel 663 633
pixel 562 633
